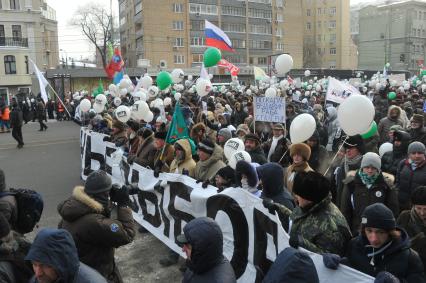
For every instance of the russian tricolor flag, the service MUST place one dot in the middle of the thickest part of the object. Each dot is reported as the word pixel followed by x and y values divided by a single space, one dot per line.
pixel 215 37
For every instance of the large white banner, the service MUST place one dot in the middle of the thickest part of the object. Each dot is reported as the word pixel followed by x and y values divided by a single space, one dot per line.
pixel 269 109
pixel 338 91
pixel 253 236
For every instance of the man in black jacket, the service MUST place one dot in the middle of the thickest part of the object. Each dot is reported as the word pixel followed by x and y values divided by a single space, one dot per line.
pixel 16 120
pixel 203 244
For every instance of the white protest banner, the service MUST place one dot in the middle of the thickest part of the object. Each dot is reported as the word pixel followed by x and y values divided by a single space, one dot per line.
pixel 398 78
pixel 355 81
pixel 338 91
pixel 252 235
pixel 269 109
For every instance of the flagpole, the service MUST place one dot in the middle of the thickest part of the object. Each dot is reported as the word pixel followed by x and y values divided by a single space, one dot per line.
pixel 60 100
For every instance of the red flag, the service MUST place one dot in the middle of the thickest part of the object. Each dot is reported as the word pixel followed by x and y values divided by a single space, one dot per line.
pixel 234 70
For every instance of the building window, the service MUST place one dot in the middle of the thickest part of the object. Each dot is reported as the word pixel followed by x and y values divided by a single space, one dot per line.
pixel 202 9
pixel 260 29
pixel 138 8
pixel 262 60
pixel 14 4
pixel 197 58
pixel 414 32
pixel 333 11
pixel 260 44
pixel 279 32
pixel 178 42
pixel 308 12
pixel 280 46
pixel 319 11
pixel 261 14
pixel 27 70
pixel 16 32
pixel 9 64
pixel 228 27
pixel 178 7
pixel 236 59
pixel 2 34
pixel 280 3
pixel 319 24
pixel 423 33
pixel 233 11
pixel 179 59
pixel 332 24
pixel 332 51
pixel 424 15
pixel 332 65
pixel 177 25
pixel 280 18
pixel 197 41
pixel 332 38
pixel 418 32
pixel 238 43
pixel 308 26
pixel 319 37
pixel 319 51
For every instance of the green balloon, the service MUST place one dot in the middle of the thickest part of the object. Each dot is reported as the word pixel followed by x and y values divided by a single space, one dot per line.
pixel 164 80
pixel 391 95
pixel 211 57
pixel 371 132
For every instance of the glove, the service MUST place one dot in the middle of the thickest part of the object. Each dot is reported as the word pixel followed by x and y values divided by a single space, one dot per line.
pixel 205 184
pixel 331 261
pixel 386 277
pixel 329 147
pixel 114 189
pixel 185 172
pixel 121 197
pixel 268 203
pixel 294 242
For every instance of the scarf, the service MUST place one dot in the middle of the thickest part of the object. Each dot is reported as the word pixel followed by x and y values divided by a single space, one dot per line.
pixel 371 253
pixel 368 181
pixel 412 164
pixel 348 163
pixel 245 186
pixel 273 146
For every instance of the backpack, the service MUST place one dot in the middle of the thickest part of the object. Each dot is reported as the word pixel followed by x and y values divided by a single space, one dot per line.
pixel 30 207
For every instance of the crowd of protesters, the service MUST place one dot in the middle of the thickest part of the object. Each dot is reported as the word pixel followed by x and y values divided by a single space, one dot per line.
pixel 361 209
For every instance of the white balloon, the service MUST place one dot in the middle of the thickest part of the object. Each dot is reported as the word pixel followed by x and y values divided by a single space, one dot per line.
pixel 148 117
pixel 307 73
pixel 122 113
pixel 386 147
pixel 167 101
pixel 248 92
pixel 355 114
pixel 177 96
pixel 123 91
pixel 203 87
pixel 85 105
pixel 302 128
pixel 100 99
pixel 318 88
pixel 112 88
pixel 117 101
pixel 99 108
pixel 309 87
pixel 283 64
pixel 231 146
pixel 210 76
pixel 190 77
pixel 238 156
pixel 124 83
pixel 139 95
pixel 146 82
pixel 177 75
pixel 157 103
pixel 153 91
pixel 139 109
pixel 271 92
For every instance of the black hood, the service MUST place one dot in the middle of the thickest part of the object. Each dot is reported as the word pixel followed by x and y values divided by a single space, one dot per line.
pixel 206 239
pixel 404 138
pixel 396 246
pixel 56 248
pixel 292 266
pixel 272 177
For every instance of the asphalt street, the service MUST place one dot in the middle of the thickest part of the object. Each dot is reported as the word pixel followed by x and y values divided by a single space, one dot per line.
pixel 50 164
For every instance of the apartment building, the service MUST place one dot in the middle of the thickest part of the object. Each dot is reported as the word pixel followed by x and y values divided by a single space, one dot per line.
pixel 327 40
pixel 28 30
pixel 171 34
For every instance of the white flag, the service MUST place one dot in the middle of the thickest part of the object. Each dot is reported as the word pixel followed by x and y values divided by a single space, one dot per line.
pixel 338 91
pixel 42 81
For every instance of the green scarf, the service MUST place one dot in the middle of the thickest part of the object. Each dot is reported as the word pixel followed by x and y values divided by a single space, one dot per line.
pixel 368 180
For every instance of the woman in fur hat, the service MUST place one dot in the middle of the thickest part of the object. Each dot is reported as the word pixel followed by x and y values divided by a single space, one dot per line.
pixel 300 154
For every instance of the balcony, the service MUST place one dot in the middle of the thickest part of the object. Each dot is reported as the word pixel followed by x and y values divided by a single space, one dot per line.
pixel 13 42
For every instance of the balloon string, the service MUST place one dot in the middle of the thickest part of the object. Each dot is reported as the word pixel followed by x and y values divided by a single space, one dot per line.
pixel 283 156
pixel 332 161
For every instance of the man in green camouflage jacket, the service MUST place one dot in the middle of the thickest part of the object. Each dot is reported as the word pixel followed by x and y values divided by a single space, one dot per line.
pixel 316 224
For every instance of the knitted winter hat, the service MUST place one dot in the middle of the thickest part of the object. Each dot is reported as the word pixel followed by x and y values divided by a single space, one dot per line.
pixel 302 149
pixel 371 159
pixel 418 196
pixel 378 216
pixel 97 182
pixel 227 173
pixel 416 147
pixel 355 141
pixel 207 146
pixel 226 133
pixel 311 186
pixel 244 128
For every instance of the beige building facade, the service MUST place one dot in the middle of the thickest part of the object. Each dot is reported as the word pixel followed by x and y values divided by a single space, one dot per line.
pixel 28 30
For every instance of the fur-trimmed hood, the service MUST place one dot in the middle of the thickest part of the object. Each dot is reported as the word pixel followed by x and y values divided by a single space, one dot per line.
pixel 78 205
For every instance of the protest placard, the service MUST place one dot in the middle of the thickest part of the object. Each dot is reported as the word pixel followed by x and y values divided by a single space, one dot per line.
pixel 269 109
pixel 338 91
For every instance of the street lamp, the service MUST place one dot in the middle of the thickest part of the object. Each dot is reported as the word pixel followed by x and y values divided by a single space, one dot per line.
pixel 66 58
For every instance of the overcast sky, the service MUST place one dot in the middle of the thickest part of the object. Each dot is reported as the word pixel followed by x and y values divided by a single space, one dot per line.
pixel 71 40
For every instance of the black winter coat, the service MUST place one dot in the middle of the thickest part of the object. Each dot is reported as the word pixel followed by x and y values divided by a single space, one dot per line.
pixel 16 117
pixel 407 180
pixel 258 156
pixel 398 259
